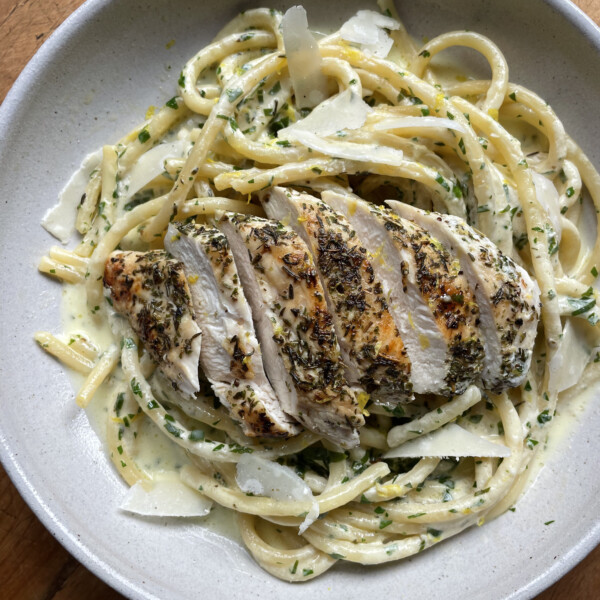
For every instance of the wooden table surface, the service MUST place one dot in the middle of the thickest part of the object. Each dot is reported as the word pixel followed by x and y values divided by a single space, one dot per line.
pixel 33 565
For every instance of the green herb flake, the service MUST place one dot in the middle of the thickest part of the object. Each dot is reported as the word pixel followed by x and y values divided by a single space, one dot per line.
pixel 143 136
pixel 172 103
pixel 196 435
pixel 174 431
pixel 233 94
pixel 384 523
pixel 119 403
pixel 135 387
pixel 307 572
pixel 544 417
pixel 570 191
pixel 581 305
pixel 439 179
pixel 436 533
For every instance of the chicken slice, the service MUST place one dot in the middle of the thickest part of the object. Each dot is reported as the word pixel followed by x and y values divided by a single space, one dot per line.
pixel 294 327
pixel 230 356
pixel 151 290
pixel 429 297
pixel 507 297
pixel 370 343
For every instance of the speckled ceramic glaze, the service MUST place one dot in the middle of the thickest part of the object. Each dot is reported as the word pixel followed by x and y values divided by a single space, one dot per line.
pixel 91 82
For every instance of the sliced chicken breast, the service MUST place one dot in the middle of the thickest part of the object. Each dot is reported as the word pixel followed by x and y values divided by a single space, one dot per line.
pixel 370 343
pixel 429 297
pixel 508 299
pixel 151 290
pixel 294 327
pixel 230 356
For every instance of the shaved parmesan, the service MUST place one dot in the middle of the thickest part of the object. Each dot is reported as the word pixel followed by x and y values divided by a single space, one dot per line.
pixel 349 150
pixel 303 58
pixel 569 361
pixel 450 440
pixel 344 111
pixel 549 200
pixel 262 477
pixel 165 498
pixel 367 29
pixel 412 122
pixel 60 219
pixel 150 165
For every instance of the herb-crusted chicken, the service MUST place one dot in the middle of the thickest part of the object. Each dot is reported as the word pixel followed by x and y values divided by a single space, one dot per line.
pixel 369 340
pixel 294 327
pixel 507 297
pixel 230 357
pixel 151 290
pixel 430 298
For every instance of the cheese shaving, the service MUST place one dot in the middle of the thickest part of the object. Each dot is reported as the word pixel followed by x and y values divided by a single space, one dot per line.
pixel 367 28
pixel 152 164
pixel 165 498
pixel 569 361
pixel 262 477
pixel 343 111
pixel 304 59
pixel 348 150
pixel 451 440
pixel 60 219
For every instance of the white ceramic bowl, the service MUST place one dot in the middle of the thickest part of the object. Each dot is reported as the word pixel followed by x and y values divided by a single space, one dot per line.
pixel 92 81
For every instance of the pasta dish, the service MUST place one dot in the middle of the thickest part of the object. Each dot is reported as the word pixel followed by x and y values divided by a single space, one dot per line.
pixel 332 287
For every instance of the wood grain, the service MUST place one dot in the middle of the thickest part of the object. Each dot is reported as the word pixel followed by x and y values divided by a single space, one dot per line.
pixel 33 565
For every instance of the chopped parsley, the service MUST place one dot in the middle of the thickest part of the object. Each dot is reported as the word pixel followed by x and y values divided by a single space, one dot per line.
pixel 233 94
pixel 143 136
